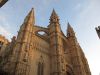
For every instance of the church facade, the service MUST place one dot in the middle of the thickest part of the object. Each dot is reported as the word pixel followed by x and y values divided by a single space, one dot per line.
pixel 47 53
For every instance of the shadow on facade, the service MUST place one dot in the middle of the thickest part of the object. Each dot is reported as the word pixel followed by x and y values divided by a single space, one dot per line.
pixel 3 73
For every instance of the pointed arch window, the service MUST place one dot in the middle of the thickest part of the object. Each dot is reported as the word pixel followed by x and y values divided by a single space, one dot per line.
pixel 40 68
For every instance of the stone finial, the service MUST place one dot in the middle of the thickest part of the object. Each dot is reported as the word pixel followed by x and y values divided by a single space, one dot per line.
pixel 54 17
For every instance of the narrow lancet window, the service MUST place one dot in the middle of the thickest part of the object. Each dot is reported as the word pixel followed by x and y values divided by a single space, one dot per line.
pixel 40 69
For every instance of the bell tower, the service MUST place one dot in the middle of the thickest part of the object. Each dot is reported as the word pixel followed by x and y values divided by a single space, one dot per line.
pixel 56 45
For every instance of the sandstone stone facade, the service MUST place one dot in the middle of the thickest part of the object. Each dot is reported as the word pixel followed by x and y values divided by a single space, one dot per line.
pixel 44 51
pixel 3 43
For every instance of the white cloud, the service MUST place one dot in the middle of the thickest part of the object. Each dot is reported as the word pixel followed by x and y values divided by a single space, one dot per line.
pixel 4 26
pixel 4 32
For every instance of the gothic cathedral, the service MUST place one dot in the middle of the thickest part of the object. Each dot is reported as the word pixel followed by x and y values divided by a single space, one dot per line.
pixel 43 51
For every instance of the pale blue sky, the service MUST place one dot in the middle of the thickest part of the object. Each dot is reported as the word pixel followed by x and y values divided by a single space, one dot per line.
pixel 83 15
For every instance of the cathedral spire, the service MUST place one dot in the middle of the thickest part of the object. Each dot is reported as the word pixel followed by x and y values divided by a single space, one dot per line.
pixel 30 18
pixel 54 17
pixel 70 31
pixel 54 14
pixel 27 26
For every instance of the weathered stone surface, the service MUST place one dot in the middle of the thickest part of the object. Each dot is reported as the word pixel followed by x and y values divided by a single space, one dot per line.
pixel 48 53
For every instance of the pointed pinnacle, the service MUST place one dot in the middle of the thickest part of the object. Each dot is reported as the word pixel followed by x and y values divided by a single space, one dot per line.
pixel 31 16
pixel 69 28
pixel 54 13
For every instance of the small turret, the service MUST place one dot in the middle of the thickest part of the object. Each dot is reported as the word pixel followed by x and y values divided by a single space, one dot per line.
pixel 70 31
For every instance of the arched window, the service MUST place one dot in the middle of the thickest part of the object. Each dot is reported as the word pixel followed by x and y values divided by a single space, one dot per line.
pixel 40 68
pixel 38 71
